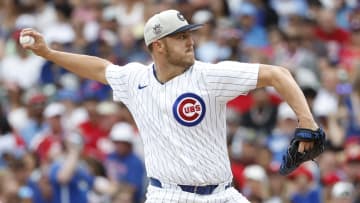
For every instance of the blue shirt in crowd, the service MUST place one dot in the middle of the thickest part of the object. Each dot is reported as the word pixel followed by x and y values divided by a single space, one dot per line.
pixel 77 188
pixel 312 196
pixel 129 169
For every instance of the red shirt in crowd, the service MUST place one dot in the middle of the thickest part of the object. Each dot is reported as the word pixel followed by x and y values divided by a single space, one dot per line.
pixel 44 143
pixel 339 35
pixel 92 133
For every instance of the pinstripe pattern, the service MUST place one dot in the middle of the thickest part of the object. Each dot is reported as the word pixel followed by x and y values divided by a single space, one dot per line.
pixel 175 153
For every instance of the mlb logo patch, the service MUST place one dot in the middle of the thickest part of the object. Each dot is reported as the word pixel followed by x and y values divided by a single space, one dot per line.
pixel 189 109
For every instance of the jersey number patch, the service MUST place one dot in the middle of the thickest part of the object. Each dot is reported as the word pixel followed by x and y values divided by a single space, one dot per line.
pixel 189 109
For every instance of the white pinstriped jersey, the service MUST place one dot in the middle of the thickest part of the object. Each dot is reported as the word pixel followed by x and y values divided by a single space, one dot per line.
pixel 182 122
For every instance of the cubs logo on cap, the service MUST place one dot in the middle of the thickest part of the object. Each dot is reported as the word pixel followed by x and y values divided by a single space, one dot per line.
pixel 166 23
pixel 189 109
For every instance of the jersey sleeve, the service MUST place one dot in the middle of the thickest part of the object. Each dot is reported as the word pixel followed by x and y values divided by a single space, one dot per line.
pixel 229 79
pixel 120 78
pixel 117 77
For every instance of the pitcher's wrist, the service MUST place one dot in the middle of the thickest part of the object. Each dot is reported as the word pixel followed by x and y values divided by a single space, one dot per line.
pixel 308 123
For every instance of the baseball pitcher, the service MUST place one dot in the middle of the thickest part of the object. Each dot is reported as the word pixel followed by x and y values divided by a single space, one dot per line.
pixel 179 106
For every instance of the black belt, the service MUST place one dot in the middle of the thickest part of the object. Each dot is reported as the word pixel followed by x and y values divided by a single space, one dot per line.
pixel 201 190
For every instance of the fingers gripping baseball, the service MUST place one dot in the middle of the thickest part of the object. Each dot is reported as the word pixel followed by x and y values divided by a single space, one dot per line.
pixel 34 41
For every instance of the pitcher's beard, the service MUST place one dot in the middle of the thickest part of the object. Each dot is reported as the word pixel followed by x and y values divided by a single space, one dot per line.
pixel 185 61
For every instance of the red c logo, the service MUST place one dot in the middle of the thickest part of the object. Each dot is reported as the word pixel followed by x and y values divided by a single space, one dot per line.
pixel 189 109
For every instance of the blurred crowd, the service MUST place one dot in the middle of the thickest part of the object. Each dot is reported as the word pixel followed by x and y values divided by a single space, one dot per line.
pixel 63 140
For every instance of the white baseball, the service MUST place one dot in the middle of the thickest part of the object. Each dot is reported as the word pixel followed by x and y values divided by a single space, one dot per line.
pixel 28 40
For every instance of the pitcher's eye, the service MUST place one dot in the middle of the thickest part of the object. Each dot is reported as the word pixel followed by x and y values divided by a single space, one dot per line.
pixel 182 36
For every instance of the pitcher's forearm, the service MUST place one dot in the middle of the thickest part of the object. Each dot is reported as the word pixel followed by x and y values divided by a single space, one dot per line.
pixel 86 66
pixel 281 79
pixel 291 92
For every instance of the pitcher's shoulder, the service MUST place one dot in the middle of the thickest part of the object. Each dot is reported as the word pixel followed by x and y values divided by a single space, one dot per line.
pixel 137 66
pixel 200 65
pixel 130 67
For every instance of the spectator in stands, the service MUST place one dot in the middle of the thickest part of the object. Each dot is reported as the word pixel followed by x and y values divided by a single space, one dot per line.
pixel 75 113
pixel 254 36
pixel 326 106
pixel 343 10
pixel 123 165
pixel 262 114
pixel 91 129
pixel 256 187
pixel 305 188
pixel 48 142
pixel 40 184
pixel 327 29
pixel 243 147
pixel 286 8
pixel 294 57
pixel 8 187
pixel 212 43
pixel 124 195
pixel 343 192
pixel 109 115
pixel 128 48
pixel 34 118
pixel 328 181
pixel 69 176
pixel 280 137
pixel 349 55
pixel 352 161
pixel 352 104
pixel 22 174
pixel 11 144
pixel 127 13
pixel 309 41
pixel 327 93
pixel 277 185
